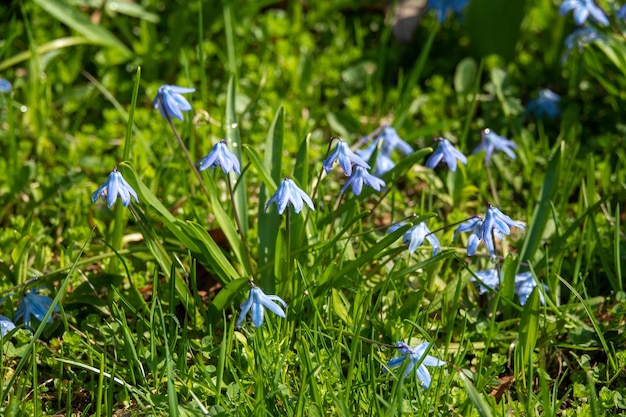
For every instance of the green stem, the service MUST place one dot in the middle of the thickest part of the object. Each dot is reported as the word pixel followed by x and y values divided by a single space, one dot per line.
pixel 238 221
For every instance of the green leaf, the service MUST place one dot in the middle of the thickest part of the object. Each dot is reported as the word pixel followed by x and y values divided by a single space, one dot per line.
pixel 226 295
pixel 465 75
pixel 529 328
pixel 474 396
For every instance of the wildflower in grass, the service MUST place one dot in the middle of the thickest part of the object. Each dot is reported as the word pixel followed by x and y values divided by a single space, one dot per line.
pixel 441 7
pixel 35 305
pixel 621 13
pixel 579 39
pixel 5 86
pixel 115 186
pixel 473 225
pixel 418 360
pixel 170 102
pixel 492 142
pixel 220 156
pixel 488 279
pixel 415 236
pixel 256 303
pixel 6 325
pixel 582 10
pixel 289 192
pixel 391 142
pixel 496 224
pixel 547 103
pixel 346 158
pixel 524 285
pixel 447 153
pixel 359 177
pixel 383 162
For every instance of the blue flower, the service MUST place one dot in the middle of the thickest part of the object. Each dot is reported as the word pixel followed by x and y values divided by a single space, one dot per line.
pixel 415 236
pixel 359 177
pixel 288 192
pixel 447 153
pixel 256 303
pixel 6 325
pixel 346 158
pixel 582 10
pixel 33 304
pixel 170 102
pixel 473 225
pixel 392 141
pixel 491 142
pixel 115 186
pixel 524 284
pixel 417 357
pixel 579 39
pixel 441 7
pixel 498 224
pixel 383 162
pixel 621 13
pixel 5 86
pixel 220 156
pixel 547 103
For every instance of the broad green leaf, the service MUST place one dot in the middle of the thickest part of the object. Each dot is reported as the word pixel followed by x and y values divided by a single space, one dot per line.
pixel 465 75
pixel 529 328
pixel 228 293
pixel 481 406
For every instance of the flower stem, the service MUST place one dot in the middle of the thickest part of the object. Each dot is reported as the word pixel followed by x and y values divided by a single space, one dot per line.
pixel 238 221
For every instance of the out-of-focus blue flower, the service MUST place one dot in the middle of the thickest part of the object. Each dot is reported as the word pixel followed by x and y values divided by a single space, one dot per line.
pixel 488 279
pixel 359 177
pixel 346 158
pixel 492 142
pixel 582 10
pixel 35 305
pixel 391 142
pixel 579 39
pixel 383 162
pixel 220 156
pixel 547 103
pixel 5 86
pixel 256 303
pixel 498 224
pixel 115 186
pixel 524 285
pixel 441 7
pixel 417 357
pixel 447 153
pixel 415 236
pixel 621 13
pixel 6 325
pixel 289 192
pixel 170 102
pixel 473 225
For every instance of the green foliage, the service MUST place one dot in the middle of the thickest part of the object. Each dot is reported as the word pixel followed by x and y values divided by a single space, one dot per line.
pixel 149 295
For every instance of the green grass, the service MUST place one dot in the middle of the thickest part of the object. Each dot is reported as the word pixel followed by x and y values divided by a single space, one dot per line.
pixel 149 295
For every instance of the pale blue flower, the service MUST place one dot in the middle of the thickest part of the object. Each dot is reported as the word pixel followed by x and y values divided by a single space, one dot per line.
pixel 582 10
pixel 6 325
pixel 415 236
pixel 115 186
pixel 170 102
pixel 442 7
pixel 33 304
pixel 220 156
pixel 346 158
pixel 391 142
pixel 498 224
pixel 256 303
pixel 447 153
pixel 547 103
pixel 492 142
pixel 473 225
pixel 5 86
pixel 418 360
pixel 359 177
pixel 383 162
pixel 524 285
pixel 579 39
pixel 289 192
pixel 621 13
